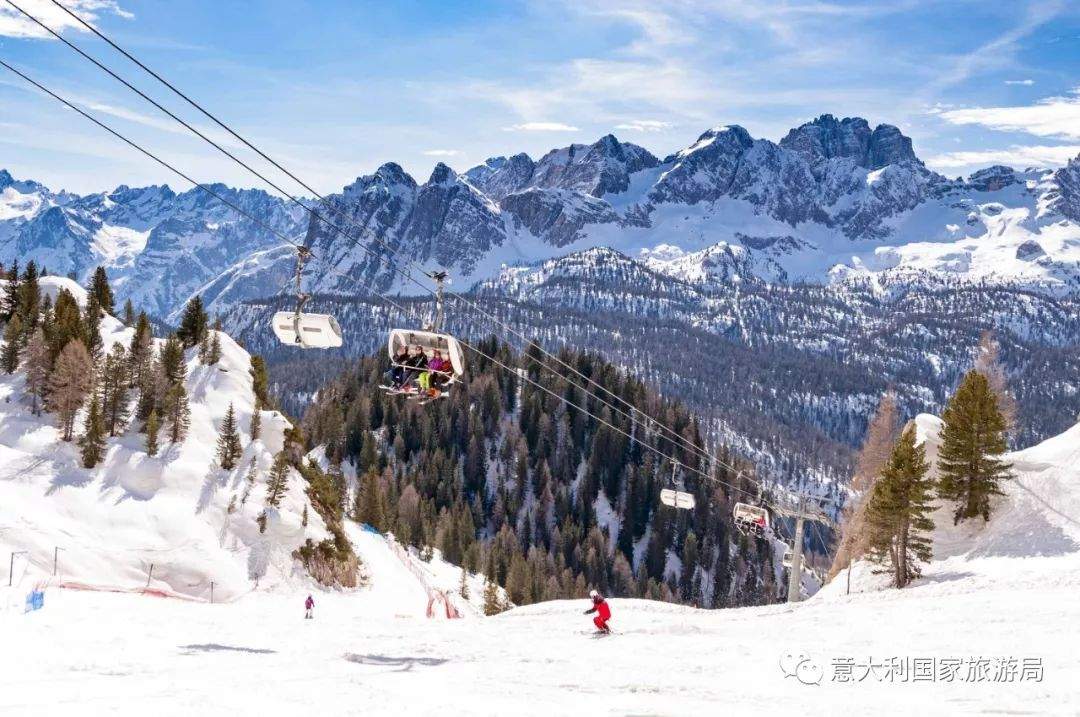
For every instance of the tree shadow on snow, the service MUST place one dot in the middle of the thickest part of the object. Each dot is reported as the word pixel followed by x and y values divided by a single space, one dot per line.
pixel 405 663
pixel 214 647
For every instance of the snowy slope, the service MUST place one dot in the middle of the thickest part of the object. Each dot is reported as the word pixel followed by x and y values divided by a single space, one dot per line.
pixel 113 521
pixel 1032 539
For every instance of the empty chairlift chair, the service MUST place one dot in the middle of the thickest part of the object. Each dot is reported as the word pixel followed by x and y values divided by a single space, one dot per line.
pixel 304 330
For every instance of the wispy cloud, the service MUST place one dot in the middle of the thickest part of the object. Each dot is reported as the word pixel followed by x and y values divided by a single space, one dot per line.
pixel 644 126
pixel 14 24
pixel 541 127
pixel 1050 117
pixel 441 153
pixel 1027 83
pixel 1015 156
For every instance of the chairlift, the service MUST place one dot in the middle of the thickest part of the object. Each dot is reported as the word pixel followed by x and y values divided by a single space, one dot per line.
pixel 305 330
pixel 788 558
pixel 678 499
pixel 417 379
pixel 751 519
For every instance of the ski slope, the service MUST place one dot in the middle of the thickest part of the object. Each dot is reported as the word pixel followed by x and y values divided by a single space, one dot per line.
pixel 994 593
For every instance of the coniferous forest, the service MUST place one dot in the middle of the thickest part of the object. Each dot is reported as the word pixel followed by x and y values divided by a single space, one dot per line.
pixel 510 480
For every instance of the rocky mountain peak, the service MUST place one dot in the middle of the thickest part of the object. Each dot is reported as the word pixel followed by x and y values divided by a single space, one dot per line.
pixel 851 137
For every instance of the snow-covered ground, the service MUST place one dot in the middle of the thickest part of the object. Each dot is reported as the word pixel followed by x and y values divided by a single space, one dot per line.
pixel 992 627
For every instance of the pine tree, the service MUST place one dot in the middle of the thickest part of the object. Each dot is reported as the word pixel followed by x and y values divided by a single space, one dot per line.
pixel 100 290
pixel 204 350
pixel 152 427
pixel 38 368
pixel 9 303
pixel 463 585
pixel 303 518
pixel 141 352
pixel 260 382
pixel 171 361
pixel 69 384
pixel 114 390
pixel 129 313
pixel 228 447
pixel 249 478
pixel 256 424
pixel 492 603
pixel 28 298
pixel 177 413
pixel 67 323
pixel 972 442
pixel 92 441
pixel 91 325
pixel 13 337
pixel 193 324
pixel 369 501
pixel 213 355
pixel 278 480
pixel 899 509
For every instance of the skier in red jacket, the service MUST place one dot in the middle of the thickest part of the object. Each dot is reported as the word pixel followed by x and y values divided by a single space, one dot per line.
pixel 309 606
pixel 603 612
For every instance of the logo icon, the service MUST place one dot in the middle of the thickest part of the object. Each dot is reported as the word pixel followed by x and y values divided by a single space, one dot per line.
pixel 802 667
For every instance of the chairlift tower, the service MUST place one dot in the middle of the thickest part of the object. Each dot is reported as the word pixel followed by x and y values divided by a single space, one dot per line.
pixel 804 510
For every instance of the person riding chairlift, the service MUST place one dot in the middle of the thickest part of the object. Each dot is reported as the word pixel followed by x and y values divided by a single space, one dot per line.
pixel 435 377
pixel 417 364
pixel 396 374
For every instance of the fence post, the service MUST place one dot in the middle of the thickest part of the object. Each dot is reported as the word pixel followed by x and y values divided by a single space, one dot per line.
pixel 11 566
pixel 211 592
pixel 149 574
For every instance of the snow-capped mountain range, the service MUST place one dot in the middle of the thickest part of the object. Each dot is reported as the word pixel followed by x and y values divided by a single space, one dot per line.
pixel 834 198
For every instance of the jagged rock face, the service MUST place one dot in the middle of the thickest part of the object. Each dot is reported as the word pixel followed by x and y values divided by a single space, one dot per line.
pixel 501 176
pixel 704 171
pixel 597 169
pixel 850 138
pixel 1030 251
pixel 1067 179
pixel 556 214
pixel 993 179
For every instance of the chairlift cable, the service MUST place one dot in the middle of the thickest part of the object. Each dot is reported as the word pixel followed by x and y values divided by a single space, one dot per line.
pixel 681 440
pixel 148 153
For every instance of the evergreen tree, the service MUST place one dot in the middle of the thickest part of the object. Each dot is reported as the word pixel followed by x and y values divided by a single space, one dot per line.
pixel 9 303
pixel 972 442
pixel 171 361
pixel 278 481
pixel 28 297
pixel 303 519
pixel 228 447
pixel 38 368
pixel 129 313
pixel 153 425
pixel 69 384
pixel 100 290
pixel 463 584
pixel 899 509
pixel 92 441
pixel 260 382
pixel 213 355
pixel 114 390
pixel 249 478
pixel 193 324
pixel 67 323
pixel 492 603
pixel 177 412
pixel 256 424
pixel 369 501
pixel 91 325
pixel 13 337
pixel 141 352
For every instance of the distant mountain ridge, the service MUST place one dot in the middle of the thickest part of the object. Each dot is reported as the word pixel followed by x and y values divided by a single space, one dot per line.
pixel 833 198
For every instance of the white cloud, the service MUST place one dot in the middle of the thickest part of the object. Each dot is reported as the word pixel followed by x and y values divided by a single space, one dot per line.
pixel 14 24
pixel 1016 156
pixel 541 127
pixel 644 126
pixel 441 153
pixel 1027 83
pixel 1051 117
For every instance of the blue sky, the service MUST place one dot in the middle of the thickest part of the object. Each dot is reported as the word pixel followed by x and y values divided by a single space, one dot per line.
pixel 335 88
